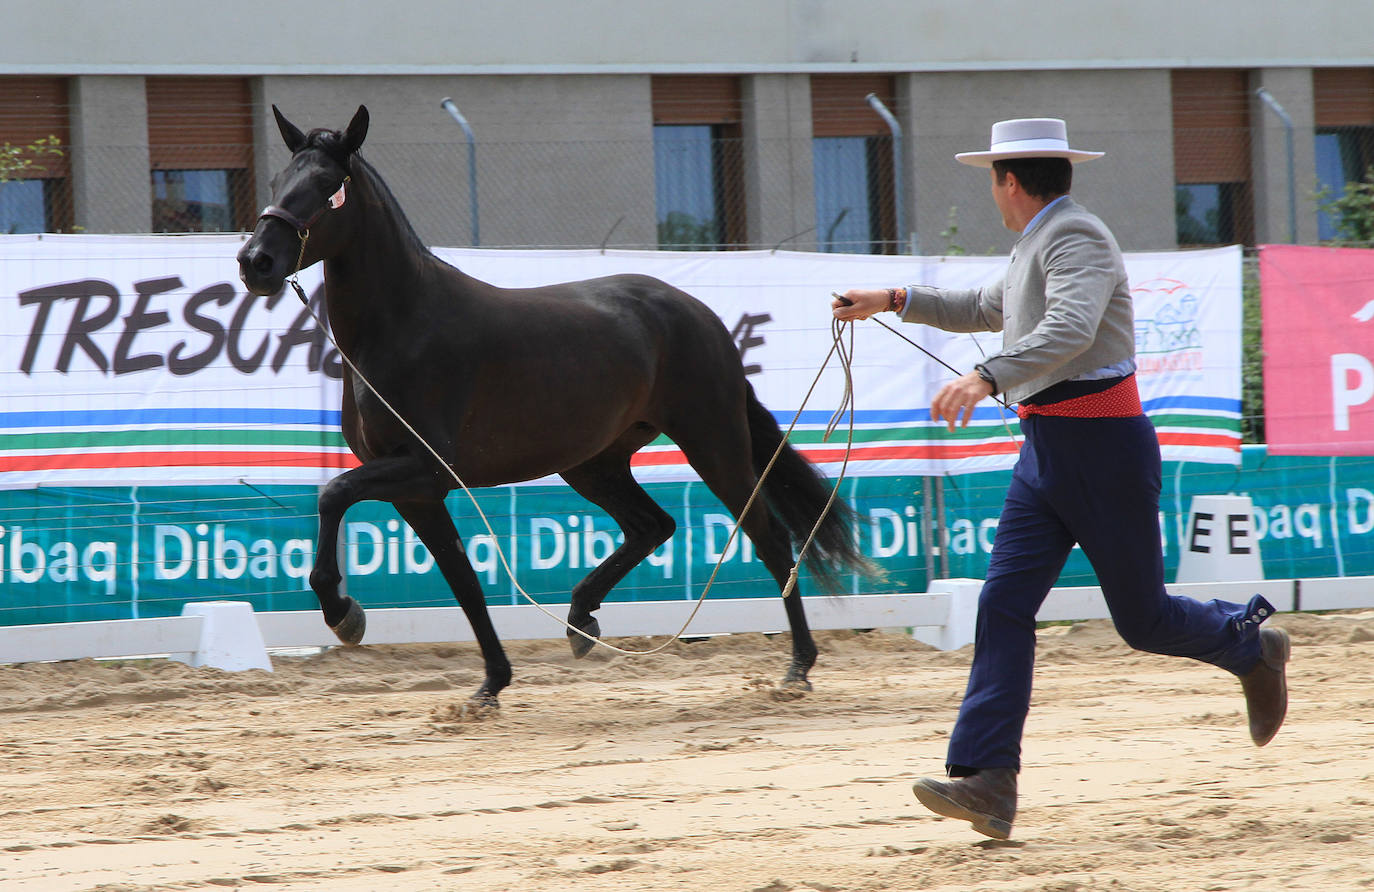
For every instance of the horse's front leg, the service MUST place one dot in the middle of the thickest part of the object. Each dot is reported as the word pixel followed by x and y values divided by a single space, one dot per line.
pixel 433 524
pixel 382 479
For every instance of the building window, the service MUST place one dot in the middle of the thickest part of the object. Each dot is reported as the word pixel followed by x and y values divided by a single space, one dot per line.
pixel 35 197
pixel 195 200
pixel 1343 112
pixel 851 162
pixel 1344 155
pixel 1213 201
pixel 698 162
pixel 688 174
pixel 1205 213
pixel 24 206
pixel 200 144
pixel 853 186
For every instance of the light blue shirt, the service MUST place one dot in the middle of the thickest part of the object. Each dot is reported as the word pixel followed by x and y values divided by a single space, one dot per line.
pixel 1042 212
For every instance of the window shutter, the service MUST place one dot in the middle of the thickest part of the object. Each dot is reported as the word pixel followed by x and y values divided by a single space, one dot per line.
pixel 1211 126
pixel 1343 97
pixel 199 123
pixel 32 108
pixel 839 106
pixel 696 99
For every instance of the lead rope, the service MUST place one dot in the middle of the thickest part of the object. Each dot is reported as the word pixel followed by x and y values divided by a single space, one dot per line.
pixel 837 329
pixel 1007 409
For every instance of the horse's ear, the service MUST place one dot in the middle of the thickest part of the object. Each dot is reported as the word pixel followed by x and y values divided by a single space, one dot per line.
pixel 357 130
pixel 289 132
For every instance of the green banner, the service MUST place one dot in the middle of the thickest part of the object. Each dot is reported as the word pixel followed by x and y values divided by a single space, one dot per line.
pixel 69 554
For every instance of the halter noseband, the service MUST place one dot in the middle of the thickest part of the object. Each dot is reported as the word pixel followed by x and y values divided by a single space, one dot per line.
pixel 302 227
pixel 290 219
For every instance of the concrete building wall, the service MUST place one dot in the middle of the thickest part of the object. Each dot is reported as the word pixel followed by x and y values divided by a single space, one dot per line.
pixel 569 160
pixel 109 126
pixel 1285 206
pixel 560 160
pixel 1126 114
pixel 780 198
pixel 559 97
pixel 559 37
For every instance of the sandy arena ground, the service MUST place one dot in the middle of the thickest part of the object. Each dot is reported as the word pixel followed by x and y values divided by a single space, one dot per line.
pixel 354 770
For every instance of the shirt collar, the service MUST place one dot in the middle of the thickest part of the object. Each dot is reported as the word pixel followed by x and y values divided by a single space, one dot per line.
pixel 1041 213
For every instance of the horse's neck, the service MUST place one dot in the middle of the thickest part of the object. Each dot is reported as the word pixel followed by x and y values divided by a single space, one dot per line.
pixel 374 278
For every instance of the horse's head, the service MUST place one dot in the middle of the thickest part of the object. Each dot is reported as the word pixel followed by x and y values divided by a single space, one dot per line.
pixel 307 216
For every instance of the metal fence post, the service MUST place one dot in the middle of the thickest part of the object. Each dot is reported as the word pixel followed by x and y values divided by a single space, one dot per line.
pixel 452 109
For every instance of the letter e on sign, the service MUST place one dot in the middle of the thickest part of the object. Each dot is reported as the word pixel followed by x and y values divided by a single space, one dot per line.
pixel 1201 530
pixel 1237 533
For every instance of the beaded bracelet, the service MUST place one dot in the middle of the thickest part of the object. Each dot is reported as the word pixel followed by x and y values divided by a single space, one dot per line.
pixel 896 302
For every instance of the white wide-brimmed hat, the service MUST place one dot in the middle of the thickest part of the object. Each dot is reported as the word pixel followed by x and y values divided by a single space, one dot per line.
pixel 1027 138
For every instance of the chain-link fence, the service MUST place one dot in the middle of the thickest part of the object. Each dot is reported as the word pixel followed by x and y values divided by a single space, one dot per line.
pixel 835 162
pixel 713 191
pixel 822 194
pixel 603 194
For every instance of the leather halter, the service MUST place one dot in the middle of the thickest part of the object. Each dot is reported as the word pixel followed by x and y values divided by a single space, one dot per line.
pixel 290 219
pixel 302 227
pixel 296 223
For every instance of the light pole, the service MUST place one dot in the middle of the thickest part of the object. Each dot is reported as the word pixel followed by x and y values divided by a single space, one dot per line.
pixel 1267 98
pixel 452 109
pixel 897 196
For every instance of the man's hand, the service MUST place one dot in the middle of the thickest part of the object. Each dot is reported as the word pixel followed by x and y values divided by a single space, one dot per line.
pixel 862 303
pixel 958 397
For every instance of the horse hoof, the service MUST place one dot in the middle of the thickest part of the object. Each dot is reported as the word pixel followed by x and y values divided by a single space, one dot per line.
pixel 581 646
pixel 793 686
pixel 479 707
pixel 450 717
pixel 351 628
pixel 791 689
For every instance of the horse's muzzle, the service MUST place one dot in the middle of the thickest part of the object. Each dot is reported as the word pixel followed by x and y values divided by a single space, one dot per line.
pixel 259 269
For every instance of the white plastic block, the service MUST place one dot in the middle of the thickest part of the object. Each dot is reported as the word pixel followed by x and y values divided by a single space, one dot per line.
pixel 1220 544
pixel 229 637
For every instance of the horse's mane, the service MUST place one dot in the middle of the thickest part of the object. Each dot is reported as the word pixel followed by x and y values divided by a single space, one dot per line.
pixel 331 142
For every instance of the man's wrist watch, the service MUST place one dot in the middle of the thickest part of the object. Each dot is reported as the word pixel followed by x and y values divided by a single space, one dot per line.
pixel 983 373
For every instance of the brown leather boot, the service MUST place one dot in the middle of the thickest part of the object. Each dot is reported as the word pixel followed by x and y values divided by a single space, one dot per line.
pixel 1266 686
pixel 987 800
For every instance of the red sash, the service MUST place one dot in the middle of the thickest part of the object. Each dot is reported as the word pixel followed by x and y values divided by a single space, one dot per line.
pixel 1121 400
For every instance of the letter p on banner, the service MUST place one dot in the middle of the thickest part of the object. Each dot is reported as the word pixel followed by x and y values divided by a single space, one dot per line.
pixel 1318 316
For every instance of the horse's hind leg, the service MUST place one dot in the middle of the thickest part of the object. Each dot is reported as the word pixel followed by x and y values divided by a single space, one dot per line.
pixel 773 545
pixel 433 524
pixel 725 466
pixel 606 481
pixel 383 479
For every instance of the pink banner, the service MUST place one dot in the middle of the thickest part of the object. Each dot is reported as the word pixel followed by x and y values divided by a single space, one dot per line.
pixel 1318 311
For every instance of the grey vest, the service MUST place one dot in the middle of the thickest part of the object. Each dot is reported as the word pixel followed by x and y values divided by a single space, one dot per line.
pixel 1063 307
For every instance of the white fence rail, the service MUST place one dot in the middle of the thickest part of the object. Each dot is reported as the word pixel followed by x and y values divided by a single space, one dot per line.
pixel 229 635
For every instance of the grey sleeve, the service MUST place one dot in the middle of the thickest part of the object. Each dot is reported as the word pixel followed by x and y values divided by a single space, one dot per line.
pixel 955 309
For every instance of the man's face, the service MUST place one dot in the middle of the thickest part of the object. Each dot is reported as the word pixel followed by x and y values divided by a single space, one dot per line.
pixel 1001 198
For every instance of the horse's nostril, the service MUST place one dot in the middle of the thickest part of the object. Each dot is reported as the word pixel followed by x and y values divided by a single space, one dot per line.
pixel 262 263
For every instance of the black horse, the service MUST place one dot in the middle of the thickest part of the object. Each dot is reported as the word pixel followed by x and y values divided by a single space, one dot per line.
pixel 515 384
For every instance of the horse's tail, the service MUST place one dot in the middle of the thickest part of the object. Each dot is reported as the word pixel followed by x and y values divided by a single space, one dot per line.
pixel 797 493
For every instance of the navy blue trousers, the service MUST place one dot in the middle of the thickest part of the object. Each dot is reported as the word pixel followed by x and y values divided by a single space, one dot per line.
pixel 1095 482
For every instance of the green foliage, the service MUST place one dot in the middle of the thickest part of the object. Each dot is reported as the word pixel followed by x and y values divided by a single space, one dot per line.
pixel 1353 212
pixel 950 233
pixel 1252 356
pixel 15 160
pixel 680 231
